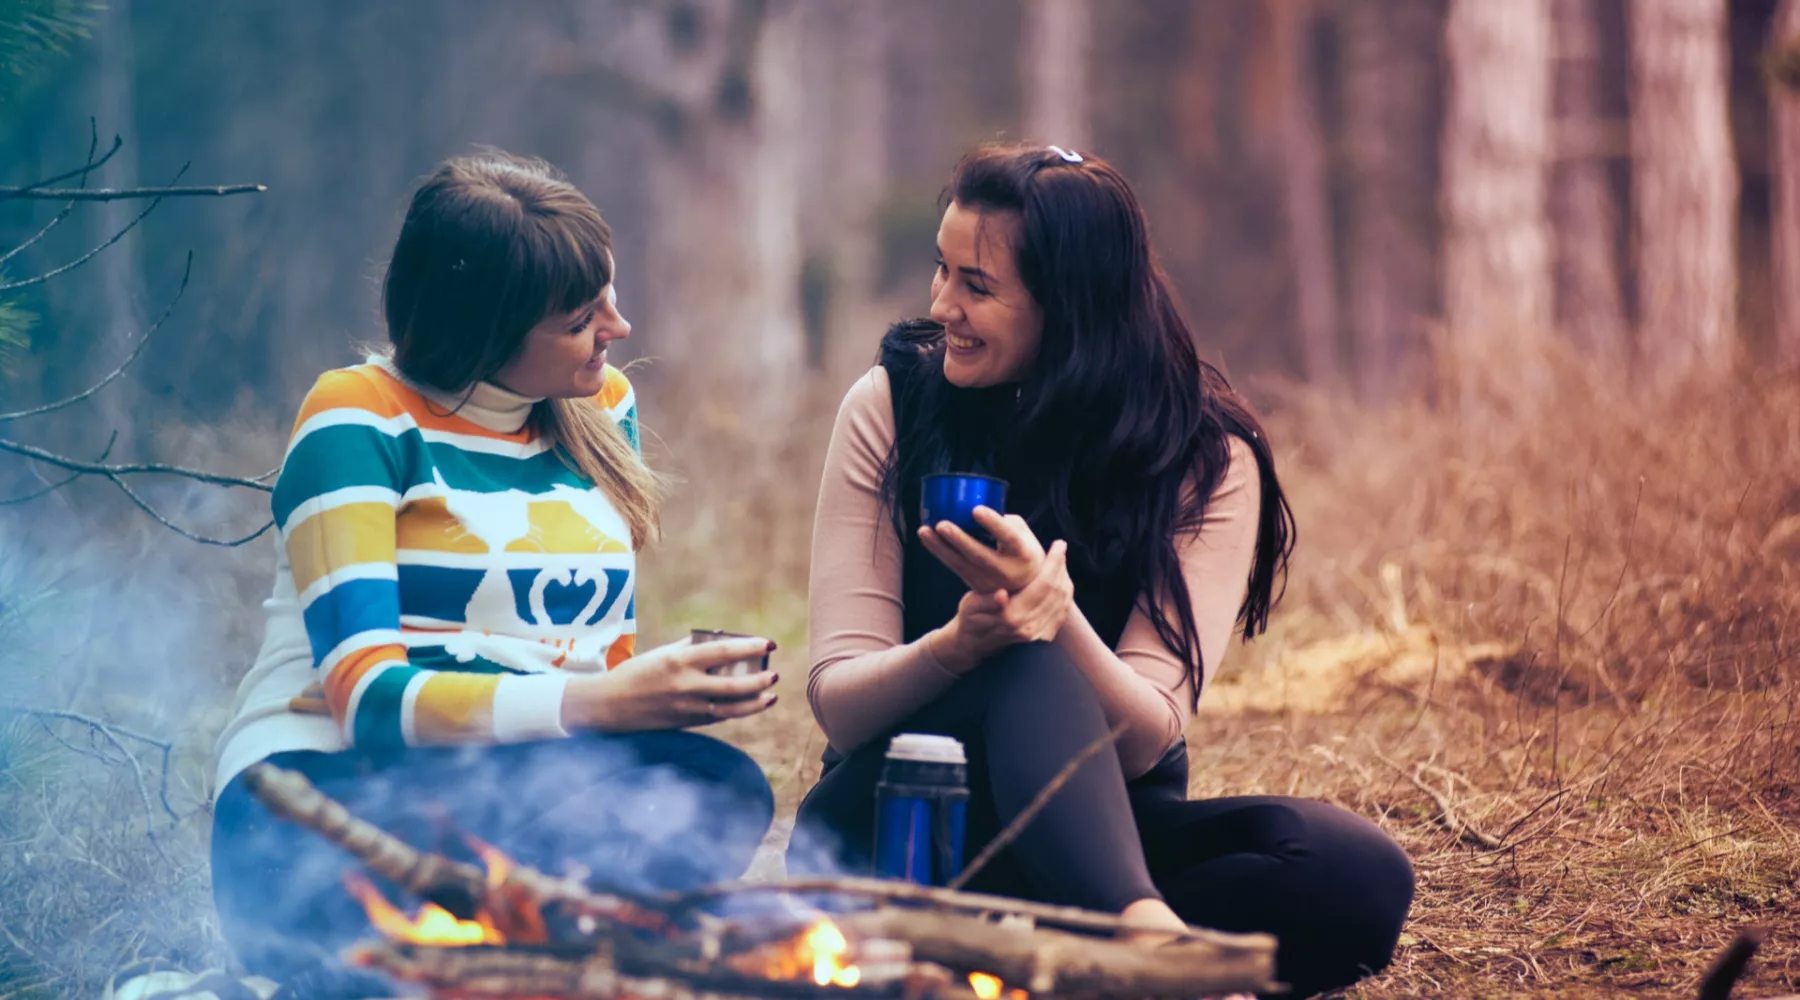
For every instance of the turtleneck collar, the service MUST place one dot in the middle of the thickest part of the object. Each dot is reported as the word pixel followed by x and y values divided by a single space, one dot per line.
pixel 487 405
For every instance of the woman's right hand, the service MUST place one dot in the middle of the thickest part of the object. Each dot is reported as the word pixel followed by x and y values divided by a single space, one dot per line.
pixel 669 688
pixel 986 623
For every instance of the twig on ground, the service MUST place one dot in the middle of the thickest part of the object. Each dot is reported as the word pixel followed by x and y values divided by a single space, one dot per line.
pixel 1035 806
pixel 116 735
pixel 1446 814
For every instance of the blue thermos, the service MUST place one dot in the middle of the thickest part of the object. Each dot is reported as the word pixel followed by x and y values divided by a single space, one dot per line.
pixel 921 805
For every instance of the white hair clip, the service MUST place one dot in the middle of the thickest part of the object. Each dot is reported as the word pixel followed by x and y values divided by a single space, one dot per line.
pixel 1068 157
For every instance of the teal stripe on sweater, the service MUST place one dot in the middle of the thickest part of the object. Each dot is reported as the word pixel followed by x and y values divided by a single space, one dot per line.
pixel 334 458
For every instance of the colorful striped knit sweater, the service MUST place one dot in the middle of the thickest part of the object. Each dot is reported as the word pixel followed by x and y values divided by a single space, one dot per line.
pixel 443 573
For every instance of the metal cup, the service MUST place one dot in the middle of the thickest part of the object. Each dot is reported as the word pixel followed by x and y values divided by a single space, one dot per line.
pixel 736 668
pixel 953 497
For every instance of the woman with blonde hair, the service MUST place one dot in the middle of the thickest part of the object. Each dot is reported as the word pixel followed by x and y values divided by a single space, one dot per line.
pixel 451 645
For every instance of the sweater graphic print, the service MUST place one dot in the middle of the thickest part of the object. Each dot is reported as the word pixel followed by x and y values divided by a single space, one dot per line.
pixel 449 575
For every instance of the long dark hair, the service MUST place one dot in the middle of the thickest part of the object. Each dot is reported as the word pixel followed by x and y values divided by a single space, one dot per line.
pixel 492 244
pixel 1121 432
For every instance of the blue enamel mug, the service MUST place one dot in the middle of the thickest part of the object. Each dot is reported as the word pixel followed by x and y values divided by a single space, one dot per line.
pixel 953 497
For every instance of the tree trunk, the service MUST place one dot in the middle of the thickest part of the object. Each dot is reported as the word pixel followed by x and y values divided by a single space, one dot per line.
pixel 1304 196
pixel 844 141
pixel 1684 186
pixel 1784 113
pixel 1496 150
pixel 1584 207
pixel 1057 55
pixel 1391 78
pixel 717 83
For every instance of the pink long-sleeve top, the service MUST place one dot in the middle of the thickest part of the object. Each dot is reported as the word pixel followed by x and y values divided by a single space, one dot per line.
pixel 865 678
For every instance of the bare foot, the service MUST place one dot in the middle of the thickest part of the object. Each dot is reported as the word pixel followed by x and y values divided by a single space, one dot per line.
pixel 1153 923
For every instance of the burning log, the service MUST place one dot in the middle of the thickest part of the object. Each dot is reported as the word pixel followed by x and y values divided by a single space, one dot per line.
pixel 512 931
pixel 474 973
pixel 1054 962
pixel 514 897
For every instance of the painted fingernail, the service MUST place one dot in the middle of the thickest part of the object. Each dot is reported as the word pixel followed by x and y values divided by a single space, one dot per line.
pixel 773 699
pixel 772 646
pixel 774 679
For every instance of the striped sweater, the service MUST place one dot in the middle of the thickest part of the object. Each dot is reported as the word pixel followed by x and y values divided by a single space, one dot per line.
pixel 441 574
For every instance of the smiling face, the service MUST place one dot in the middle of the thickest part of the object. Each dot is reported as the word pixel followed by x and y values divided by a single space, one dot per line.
pixel 992 325
pixel 564 355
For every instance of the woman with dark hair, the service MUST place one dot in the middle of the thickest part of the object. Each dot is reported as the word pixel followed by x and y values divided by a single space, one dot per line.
pixel 451 645
pixel 1148 520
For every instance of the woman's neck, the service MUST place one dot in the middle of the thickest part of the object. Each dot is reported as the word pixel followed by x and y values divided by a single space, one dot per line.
pixel 486 404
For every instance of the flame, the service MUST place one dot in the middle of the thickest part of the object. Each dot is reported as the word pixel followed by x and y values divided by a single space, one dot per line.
pixel 827 945
pixel 431 925
pixel 988 987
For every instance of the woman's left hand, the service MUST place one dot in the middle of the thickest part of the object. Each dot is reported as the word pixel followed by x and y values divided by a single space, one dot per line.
pixel 1011 564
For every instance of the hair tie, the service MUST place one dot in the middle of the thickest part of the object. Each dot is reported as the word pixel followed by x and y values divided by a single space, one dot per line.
pixel 1068 156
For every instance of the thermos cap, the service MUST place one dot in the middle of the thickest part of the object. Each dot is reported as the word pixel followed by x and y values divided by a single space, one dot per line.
pixel 926 748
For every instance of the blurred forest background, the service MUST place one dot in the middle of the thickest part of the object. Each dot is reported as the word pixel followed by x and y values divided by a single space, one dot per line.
pixel 1516 281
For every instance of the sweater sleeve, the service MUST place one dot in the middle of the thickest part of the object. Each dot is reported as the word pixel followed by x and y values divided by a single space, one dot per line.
pixel 1215 563
pixel 354 456
pixel 864 677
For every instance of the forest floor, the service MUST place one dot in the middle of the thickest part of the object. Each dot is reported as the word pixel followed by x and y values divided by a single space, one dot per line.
pixel 1551 650
pixel 1548 644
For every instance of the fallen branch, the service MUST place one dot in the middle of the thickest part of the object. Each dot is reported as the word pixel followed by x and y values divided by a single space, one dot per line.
pixel 515 901
pixel 1446 814
pixel 1064 964
pixel 952 900
pixel 1035 806
pixel 115 736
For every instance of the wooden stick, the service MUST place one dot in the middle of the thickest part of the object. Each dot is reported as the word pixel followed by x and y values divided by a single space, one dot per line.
pixel 515 904
pixel 950 899
pixel 1035 806
pixel 1056 962
pixel 510 972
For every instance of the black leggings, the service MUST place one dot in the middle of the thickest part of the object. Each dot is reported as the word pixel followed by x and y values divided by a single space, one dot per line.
pixel 655 810
pixel 1331 886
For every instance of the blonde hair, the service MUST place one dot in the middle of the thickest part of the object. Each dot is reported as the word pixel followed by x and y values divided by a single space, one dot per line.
pixel 493 243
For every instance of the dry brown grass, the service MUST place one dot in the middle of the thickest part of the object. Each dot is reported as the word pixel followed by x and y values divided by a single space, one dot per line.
pixel 1548 645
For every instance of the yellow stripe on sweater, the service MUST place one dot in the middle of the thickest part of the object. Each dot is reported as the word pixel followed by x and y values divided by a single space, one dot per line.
pixel 454 708
pixel 351 535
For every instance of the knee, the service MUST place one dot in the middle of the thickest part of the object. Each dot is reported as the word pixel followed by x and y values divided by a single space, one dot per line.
pixel 1039 667
pixel 728 768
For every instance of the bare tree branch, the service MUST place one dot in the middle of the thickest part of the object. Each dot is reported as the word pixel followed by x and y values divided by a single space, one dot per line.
pixel 51 487
pixel 136 469
pixel 123 194
pixel 186 271
pixel 144 505
pixel 82 171
pixel 84 258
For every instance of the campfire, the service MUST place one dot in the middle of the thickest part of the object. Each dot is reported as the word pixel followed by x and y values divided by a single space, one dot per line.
pixel 506 930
